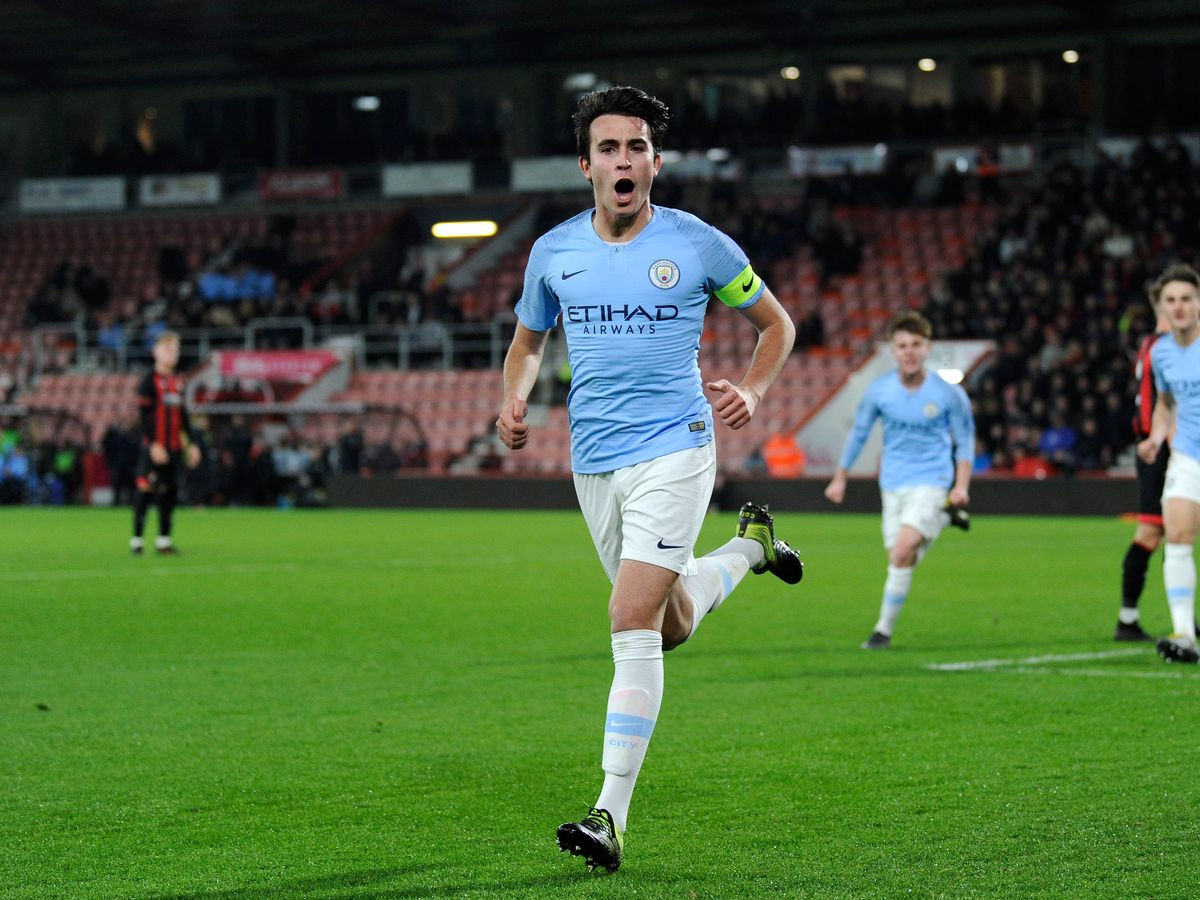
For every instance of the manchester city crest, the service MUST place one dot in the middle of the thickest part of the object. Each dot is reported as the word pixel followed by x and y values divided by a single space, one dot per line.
pixel 931 410
pixel 664 274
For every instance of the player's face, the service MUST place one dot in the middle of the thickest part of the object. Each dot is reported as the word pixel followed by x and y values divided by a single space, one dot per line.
pixel 1179 303
pixel 166 355
pixel 622 166
pixel 910 351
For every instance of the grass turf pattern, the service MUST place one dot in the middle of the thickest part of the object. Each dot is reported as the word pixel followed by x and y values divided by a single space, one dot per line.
pixel 406 704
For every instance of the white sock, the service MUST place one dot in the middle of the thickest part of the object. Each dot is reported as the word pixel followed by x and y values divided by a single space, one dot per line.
pixel 135 543
pixel 162 542
pixel 718 573
pixel 633 704
pixel 1179 577
pixel 895 592
pixel 1128 615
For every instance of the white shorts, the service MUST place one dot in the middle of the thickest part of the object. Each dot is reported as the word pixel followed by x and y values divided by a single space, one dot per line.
pixel 1183 478
pixel 922 508
pixel 652 511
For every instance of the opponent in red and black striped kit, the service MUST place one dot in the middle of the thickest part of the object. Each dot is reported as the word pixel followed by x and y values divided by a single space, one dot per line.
pixel 167 439
pixel 1150 477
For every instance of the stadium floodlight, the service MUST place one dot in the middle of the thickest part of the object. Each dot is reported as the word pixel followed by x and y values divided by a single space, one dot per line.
pixel 478 229
pixel 789 73
pixel 366 103
pixel 951 376
pixel 926 64
pixel 1070 56
pixel 581 81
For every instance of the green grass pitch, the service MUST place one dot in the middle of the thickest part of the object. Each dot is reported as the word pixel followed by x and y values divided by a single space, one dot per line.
pixel 344 704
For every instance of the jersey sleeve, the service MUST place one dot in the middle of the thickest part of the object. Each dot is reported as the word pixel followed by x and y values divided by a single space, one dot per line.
pixel 1160 384
pixel 962 425
pixel 538 308
pixel 864 418
pixel 726 267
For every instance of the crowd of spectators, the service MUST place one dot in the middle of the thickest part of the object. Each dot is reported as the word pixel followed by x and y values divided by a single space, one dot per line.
pixel 1061 278
pixel 37 464
pixel 247 461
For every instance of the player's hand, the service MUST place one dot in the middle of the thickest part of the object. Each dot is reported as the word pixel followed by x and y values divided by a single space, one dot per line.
pixel 193 456
pixel 959 496
pixel 734 405
pixel 1148 449
pixel 511 425
pixel 836 490
pixel 158 454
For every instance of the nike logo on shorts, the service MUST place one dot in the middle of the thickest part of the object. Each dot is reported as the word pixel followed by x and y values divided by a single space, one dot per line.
pixel 662 546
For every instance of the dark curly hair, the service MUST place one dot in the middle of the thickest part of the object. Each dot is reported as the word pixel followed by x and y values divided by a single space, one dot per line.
pixel 620 101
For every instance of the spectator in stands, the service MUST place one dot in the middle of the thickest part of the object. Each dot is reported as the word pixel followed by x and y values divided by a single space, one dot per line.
pixel 1058 443
pixel 18 478
pixel 120 447
pixel 1061 280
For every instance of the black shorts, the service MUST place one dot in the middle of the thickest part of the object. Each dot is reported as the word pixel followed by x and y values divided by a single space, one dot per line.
pixel 158 479
pixel 1150 478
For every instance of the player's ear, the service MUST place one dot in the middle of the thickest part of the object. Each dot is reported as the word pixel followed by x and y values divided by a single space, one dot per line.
pixel 585 167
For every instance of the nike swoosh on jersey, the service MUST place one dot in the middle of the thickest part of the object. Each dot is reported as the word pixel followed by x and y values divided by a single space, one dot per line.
pixel 566 275
pixel 662 546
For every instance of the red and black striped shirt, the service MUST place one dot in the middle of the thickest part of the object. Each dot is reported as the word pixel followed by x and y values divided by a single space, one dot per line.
pixel 1147 394
pixel 164 416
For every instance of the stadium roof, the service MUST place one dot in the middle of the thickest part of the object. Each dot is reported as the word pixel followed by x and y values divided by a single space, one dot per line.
pixel 91 43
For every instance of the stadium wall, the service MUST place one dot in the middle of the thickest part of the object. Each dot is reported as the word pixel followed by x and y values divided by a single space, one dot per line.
pixel 989 496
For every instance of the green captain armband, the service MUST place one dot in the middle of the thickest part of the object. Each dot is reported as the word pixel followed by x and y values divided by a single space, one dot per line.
pixel 741 289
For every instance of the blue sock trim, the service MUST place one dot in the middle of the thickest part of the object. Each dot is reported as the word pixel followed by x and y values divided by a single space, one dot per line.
pixel 726 581
pixel 633 726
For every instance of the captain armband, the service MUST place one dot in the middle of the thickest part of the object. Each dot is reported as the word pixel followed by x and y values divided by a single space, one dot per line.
pixel 745 286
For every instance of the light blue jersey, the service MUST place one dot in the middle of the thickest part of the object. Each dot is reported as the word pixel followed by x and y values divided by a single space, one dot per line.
pixel 925 431
pixel 633 314
pixel 1177 372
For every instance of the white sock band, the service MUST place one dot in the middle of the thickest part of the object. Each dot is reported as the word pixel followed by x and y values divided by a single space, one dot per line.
pixel 717 574
pixel 1179 578
pixel 633 704
pixel 895 592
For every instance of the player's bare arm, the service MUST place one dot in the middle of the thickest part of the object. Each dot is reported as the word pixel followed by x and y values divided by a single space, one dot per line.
pixel 1161 424
pixel 960 493
pixel 735 404
pixel 521 365
pixel 835 491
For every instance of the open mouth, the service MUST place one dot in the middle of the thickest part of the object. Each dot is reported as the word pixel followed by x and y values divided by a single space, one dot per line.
pixel 624 189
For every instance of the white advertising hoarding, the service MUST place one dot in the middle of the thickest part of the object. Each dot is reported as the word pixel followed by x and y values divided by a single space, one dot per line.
pixel 197 189
pixel 548 173
pixel 52 195
pixel 428 179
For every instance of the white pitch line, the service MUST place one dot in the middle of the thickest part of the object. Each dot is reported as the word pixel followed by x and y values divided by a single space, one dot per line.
pixel 132 572
pixel 1030 660
pixel 136 569
pixel 1095 673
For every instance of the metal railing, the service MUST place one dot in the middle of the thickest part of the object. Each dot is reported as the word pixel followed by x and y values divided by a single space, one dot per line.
pixel 69 347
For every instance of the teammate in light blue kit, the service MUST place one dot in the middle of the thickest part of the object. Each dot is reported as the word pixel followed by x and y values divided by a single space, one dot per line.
pixel 1175 360
pixel 925 473
pixel 630 283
